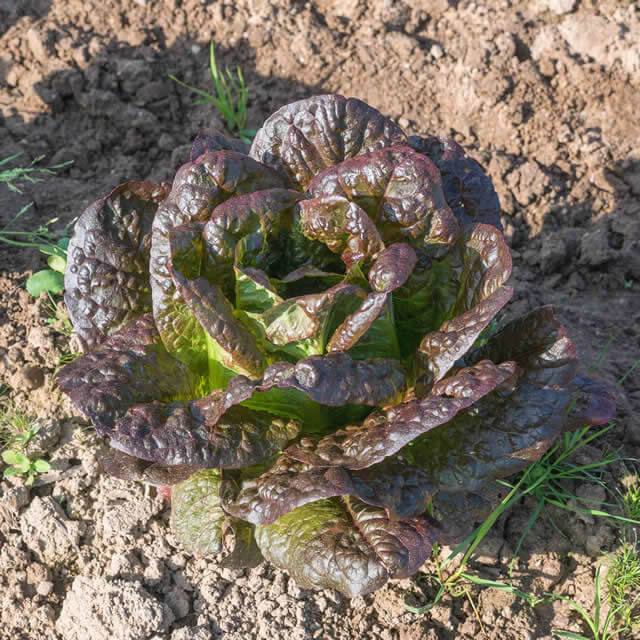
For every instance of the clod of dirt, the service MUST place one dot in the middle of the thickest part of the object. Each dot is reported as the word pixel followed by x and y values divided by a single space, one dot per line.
pixel 12 499
pixel 48 532
pixel 29 377
pixel 594 248
pixel 561 6
pixel 44 440
pixel 96 609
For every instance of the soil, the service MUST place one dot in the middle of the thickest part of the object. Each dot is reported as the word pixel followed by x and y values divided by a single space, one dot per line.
pixel 544 93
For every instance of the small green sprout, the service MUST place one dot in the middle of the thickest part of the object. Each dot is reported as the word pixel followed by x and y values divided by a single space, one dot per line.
pixel 231 99
pixel 600 628
pixel 21 464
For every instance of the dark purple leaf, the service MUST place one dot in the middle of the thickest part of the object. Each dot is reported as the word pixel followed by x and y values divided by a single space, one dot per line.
pixel 384 433
pixel 593 402
pixel 439 350
pixel 107 275
pixel 343 226
pixel 305 137
pixel 538 343
pixel 130 367
pixel 468 190
pixel 197 189
pixel 402 490
pixel 401 192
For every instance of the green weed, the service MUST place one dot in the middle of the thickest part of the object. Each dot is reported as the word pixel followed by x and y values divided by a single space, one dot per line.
pixel 601 628
pixel 230 99
pixel 21 464
pixel 623 584
pixel 15 178
pixel 16 428
pixel 51 243
pixel 16 431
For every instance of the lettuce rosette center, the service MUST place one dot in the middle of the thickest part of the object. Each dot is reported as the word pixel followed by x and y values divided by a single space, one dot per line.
pixel 301 339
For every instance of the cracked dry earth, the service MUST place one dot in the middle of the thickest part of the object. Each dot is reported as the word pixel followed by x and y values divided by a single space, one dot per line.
pixel 544 93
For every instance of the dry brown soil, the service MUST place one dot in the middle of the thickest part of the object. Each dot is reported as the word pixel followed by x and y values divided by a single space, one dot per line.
pixel 543 92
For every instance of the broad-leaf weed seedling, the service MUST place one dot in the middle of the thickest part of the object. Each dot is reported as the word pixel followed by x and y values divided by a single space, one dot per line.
pixel 20 464
pixel 16 431
pixel 230 99
pixel 51 243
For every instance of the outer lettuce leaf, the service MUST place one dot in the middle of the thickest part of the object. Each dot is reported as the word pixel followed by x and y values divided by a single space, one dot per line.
pixel 126 467
pixel 383 434
pixel 202 526
pixel 502 435
pixel 107 279
pixel 402 490
pixel 197 189
pixel 129 387
pixel 196 513
pixel 469 192
pixel 345 544
pixel 200 434
pixel 540 346
pixel 305 137
pixel 132 366
pixel 305 390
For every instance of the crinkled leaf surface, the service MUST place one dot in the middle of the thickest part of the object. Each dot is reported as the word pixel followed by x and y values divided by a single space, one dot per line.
pixel 313 365
pixel 402 490
pixel 383 434
pixel 210 140
pixel 399 190
pixel 107 277
pixel 202 526
pixel 345 544
pixel 305 137
pixel 130 367
pixel 442 289
pixel 197 189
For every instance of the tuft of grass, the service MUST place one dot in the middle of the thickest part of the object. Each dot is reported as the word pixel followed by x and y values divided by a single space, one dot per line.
pixel 544 480
pixel 601 628
pixel 230 99
pixel 630 497
pixel 547 478
pixel 16 428
pixel 15 178
pixel 623 584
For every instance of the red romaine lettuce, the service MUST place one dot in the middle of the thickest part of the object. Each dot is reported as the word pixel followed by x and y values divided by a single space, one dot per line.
pixel 288 336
